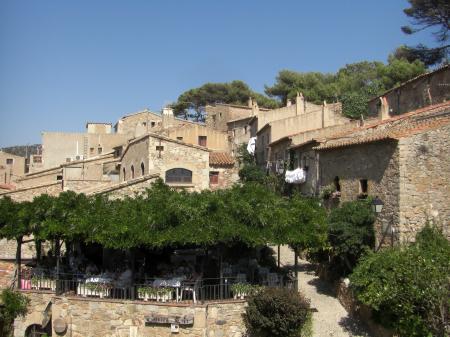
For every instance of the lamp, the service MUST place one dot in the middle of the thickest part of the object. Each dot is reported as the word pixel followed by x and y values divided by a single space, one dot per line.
pixel 377 205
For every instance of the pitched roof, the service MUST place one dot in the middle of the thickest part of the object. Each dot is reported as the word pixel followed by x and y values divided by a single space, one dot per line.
pixel 220 158
pixel 418 121
pixel 444 67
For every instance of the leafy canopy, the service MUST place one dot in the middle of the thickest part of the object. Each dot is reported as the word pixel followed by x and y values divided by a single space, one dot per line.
pixel 191 103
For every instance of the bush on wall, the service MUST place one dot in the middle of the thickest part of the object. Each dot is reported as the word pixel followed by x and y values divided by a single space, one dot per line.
pixel 408 287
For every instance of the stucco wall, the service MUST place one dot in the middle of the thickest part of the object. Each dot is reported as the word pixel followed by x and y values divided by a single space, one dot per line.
pixel 424 181
pixel 58 146
pixel 111 318
pixel 10 172
pixel 376 162
pixel 189 133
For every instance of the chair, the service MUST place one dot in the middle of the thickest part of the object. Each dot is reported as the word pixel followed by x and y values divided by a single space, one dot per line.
pixel 191 287
pixel 273 280
pixel 241 278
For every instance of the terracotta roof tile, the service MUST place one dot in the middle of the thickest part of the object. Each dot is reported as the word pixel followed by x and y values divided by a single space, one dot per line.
pixel 220 158
pixel 7 187
pixel 405 125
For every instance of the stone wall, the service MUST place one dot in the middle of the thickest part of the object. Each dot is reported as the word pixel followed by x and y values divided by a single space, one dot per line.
pixel 113 318
pixel 218 115
pixel 137 124
pixel 27 194
pixel 426 90
pixel 179 155
pixel 136 155
pixel 228 175
pixel 128 188
pixel 378 163
pixel 424 181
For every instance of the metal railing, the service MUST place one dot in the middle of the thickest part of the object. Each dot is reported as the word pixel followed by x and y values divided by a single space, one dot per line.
pixel 200 291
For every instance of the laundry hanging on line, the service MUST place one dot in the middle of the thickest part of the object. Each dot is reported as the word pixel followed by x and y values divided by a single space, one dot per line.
pixel 297 176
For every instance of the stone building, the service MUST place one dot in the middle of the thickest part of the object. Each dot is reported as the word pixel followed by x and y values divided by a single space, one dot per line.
pixel 421 91
pixel 11 168
pixel 404 160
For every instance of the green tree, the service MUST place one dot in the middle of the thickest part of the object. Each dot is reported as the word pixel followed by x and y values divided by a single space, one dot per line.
pixel 14 304
pixel 16 223
pixel 408 286
pixel 427 14
pixel 350 234
pixel 191 103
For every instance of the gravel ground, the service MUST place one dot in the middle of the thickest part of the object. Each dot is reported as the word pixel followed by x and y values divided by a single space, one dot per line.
pixel 331 319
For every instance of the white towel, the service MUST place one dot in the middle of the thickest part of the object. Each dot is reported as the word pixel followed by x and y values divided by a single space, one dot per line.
pixel 296 176
pixel 251 145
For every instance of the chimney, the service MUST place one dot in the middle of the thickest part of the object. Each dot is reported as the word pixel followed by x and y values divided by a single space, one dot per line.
pixel 167 117
pixel 384 109
pixel 250 102
pixel 255 108
pixel 299 104
pixel 324 107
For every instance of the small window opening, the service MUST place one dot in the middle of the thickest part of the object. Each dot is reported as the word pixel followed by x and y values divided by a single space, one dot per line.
pixel 9 161
pixel 124 174
pixel 142 169
pixel 153 124
pixel 337 184
pixel 179 138
pixel 144 123
pixel 91 150
pixel 68 160
pixel 213 178
pixel 159 148
pixel 245 129
pixel 363 189
pixel 132 172
pixel 99 150
pixel 202 141
pixel 59 177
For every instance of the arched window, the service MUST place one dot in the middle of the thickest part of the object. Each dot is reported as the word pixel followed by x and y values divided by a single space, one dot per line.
pixel 132 172
pixel 124 174
pixel 142 169
pixel 178 175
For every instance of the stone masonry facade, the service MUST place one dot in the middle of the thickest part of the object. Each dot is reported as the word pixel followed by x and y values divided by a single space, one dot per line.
pixel 114 318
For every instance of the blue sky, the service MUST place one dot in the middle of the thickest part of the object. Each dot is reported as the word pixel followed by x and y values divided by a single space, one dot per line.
pixel 63 63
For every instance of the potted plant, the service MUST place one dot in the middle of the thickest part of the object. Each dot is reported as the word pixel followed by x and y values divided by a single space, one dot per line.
pixel 43 283
pixel 147 293
pixel 242 290
pixel 164 294
pixel 94 289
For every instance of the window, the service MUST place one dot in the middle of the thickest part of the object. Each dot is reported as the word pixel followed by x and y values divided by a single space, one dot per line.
pixel 144 123
pixel 91 150
pixel 337 184
pixel 178 175
pixel 213 178
pixel 180 138
pixel 9 161
pixel 59 177
pixel 363 188
pixel 159 148
pixel 142 169
pixel 153 124
pixel 99 150
pixel 68 160
pixel 37 159
pixel 245 129
pixel 124 174
pixel 132 172
pixel 202 141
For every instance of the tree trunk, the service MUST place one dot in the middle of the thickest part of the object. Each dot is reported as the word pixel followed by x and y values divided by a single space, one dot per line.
pixel 19 261
pixel 296 268
pixel 38 245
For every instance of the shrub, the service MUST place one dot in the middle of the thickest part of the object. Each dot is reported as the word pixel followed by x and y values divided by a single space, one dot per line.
pixel 276 312
pixel 14 304
pixel 408 287
pixel 350 234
